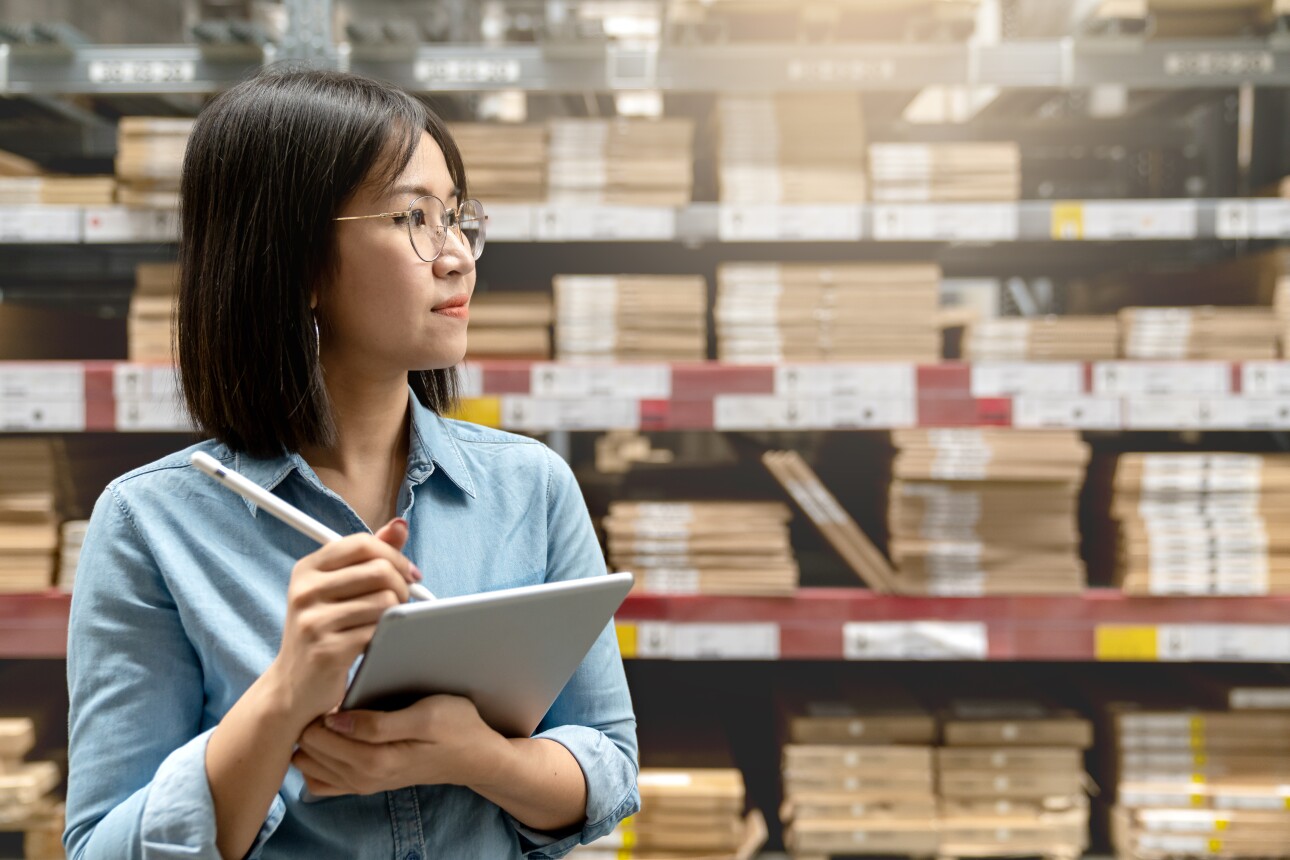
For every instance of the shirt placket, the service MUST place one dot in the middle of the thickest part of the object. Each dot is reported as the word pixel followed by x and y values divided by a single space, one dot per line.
pixel 405 824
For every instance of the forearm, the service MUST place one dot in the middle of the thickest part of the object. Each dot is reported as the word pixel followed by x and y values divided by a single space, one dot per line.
pixel 246 760
pixel 538 782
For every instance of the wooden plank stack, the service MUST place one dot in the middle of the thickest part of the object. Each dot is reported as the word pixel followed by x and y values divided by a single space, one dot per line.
pixel 631 317
pixel 26 803
pixel 626 162
pixel 945 172
pixel 703 547
pixel 150 158
pixel 1217 333
pixel 505 163
pixel 28 514
pixel 1050 338
pixel 510 325
pixel 149 326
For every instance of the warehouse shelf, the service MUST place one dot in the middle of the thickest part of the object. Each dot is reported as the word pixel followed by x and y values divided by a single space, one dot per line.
pixel 855 624
pixel 1024 221
pixel 106 396
pixel 560 67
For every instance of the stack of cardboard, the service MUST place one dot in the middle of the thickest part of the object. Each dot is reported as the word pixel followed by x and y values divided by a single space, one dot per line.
pixel 1222 334
pixel 703 547
pixel 859 782
pixel 945 172
pixel 980 512
pixel 149 160
pixel 69 552
pixel 510 325
pixel 1012 781
pixel 771 312
pixel 504 163
pixel 1202 523
pixel 627 162
pixel 1051 338
pixel 626 317
pixel 1201 784
pixel 1281 307
pixel 24 786
pixel 58 190
pixel 791 148
pixel 28 514
pixel 1179 19
pixel 152 309
pixel 686 814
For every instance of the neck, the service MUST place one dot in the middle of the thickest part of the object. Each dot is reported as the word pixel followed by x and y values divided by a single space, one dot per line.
pixel 371 418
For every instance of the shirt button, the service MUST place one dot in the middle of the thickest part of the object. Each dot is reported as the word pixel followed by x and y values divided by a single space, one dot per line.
pixel 412 855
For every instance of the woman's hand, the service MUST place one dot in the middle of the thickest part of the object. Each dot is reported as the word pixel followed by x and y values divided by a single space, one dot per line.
pixel 336 596
pixel 440 740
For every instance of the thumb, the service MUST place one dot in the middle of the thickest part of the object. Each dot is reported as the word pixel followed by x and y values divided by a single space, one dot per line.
pixel 395 533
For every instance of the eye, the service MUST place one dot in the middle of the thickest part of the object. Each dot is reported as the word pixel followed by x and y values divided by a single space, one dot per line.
pixel 418 217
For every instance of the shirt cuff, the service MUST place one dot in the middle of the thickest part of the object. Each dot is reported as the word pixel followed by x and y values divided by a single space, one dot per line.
pixel 179 814
pixel 612 794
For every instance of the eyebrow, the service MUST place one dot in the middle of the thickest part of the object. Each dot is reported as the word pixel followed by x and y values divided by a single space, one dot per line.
pixel 421 191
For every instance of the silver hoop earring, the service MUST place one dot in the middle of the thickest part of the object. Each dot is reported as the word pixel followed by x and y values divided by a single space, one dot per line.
pixel 317 338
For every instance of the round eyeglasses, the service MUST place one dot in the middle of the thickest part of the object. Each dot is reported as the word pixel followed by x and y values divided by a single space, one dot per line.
pixel 428 221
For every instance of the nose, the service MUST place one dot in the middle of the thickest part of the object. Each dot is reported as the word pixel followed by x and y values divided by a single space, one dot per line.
pixel 456 257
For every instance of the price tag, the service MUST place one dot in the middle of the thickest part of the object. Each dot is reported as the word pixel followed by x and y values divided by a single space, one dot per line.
pixel 1140 219
pixel 145 382
pixel 1245 413
pixel 1006 379
pixel 1067 222
pixel 756 412
pixel 1260 378
pixel 829 70
pixel 953 222
pixel 855 413
pixel 1088 413
pixel 1220 63
pixel 467 70
pixel 40 224
pixel 1257 643
pixel 626 632
pixel 18 415
pixel 641 381
pixel 1271 219
pixel 842 380
pixel 42 382
pixel 760 223
pixel 123 72
pixel 604 223
pixel 1145 378
pixel 1125 642
pixel 151 415
pixel 480 410
pixel 914 640
pixel 538 415
pixel 653 640
pixel 732 641
pixel 1162 413
pixel 1234 220
pixel 119 224
pixel 510 222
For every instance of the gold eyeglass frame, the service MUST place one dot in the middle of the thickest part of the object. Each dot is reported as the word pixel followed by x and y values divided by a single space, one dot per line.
pixel 454 222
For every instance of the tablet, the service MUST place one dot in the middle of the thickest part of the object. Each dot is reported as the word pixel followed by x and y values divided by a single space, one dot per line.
pixel 510 652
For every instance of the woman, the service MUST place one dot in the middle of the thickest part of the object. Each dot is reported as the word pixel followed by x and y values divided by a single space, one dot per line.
pixel 327 255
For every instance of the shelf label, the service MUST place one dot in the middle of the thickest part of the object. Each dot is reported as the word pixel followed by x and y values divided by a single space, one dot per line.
pixel 1260 378
pixel 717 641
pixel 756 412
pixel 509 222
pixel 109 72
pixel 914 640
pixel 40 224
pixel 841 380
pixel 1146 378
pixel 1089 413
pixel 542 414
pixel 604 223
pixel 42 382
pixel 1245 413
pixel 1138 219
pixel 768 222
pixel 642 381
pixel 1234 219
pixel 145 381
pixel 1219 64
pixel 953 222
pixel 626 631
pixel 472 70
pixel 125 224
pixel 1257 643
pixel 151 415
pixel 1162 413
pixel 480 410
pixel 1067 222
pixel 41 415
pixel 1007 379
pixel 826 70
pixel 1125 643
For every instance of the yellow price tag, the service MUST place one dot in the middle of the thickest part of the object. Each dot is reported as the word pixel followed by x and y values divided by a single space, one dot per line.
pixel 1222 824
pixel 480 410
pixel 1068 221
pixel 626 639
pixel 1215 846
pixel 1126 643
pixel 1198 725
pixel 1201 760
pixel 1198 777
pixel 1198 800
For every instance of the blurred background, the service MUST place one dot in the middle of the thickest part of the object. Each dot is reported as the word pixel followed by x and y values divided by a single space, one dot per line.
pixel 925 359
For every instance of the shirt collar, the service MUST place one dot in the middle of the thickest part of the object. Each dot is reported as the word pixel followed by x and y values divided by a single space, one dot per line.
pixel 430 446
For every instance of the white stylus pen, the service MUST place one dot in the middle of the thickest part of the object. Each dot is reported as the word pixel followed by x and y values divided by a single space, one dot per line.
pixel 292 516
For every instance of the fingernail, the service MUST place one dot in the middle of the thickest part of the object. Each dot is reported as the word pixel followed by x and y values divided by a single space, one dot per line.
pixel 341 723
pixel 402 522
pixel 416 573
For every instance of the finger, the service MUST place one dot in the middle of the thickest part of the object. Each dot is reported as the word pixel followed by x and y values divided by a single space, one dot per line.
pixel 394 533
pixel 357 614
pixel 360 579
pixel 380 727
pixel 316 770
pixel 336 752
pixel 357 548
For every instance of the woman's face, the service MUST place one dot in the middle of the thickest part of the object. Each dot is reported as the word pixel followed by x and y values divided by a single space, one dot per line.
pixel 386 311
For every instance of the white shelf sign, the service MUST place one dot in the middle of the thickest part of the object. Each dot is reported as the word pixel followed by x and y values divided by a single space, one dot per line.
pixel 109 72
pixel 478 70
pixel 914 640
pixel 954 222
pixel 758 223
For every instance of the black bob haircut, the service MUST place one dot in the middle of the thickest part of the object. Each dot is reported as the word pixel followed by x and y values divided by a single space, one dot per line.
pixel 269 163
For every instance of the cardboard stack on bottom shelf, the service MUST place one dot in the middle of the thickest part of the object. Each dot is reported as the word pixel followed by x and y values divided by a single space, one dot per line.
pixel 1012 781
pixel 29 484
pixel 626 162
pixel 505 163
pixel 1197 784
pixel 770 312
pixel 1202 523
pixel 686 814
pixel 945 172
pixel 152 309
pixel 1050 338
pixel 510 325
pixel 860 782
pixel 703 547
pixel 150 157
pixel 982 512
pixel 1227 333
pixel 25 801
pixel 791 148
pixel 631 317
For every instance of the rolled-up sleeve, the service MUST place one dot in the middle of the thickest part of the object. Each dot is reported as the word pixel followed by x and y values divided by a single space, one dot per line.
pixel 592 717
pixel 137 785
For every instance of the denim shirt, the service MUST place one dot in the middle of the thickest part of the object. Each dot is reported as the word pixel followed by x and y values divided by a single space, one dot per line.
pixel 179 605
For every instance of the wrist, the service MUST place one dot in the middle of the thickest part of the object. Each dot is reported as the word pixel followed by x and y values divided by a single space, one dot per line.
pixel 277 702
pixel 494 764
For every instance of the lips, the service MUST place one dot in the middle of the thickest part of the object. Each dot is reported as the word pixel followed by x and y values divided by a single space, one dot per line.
pixel 458 301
